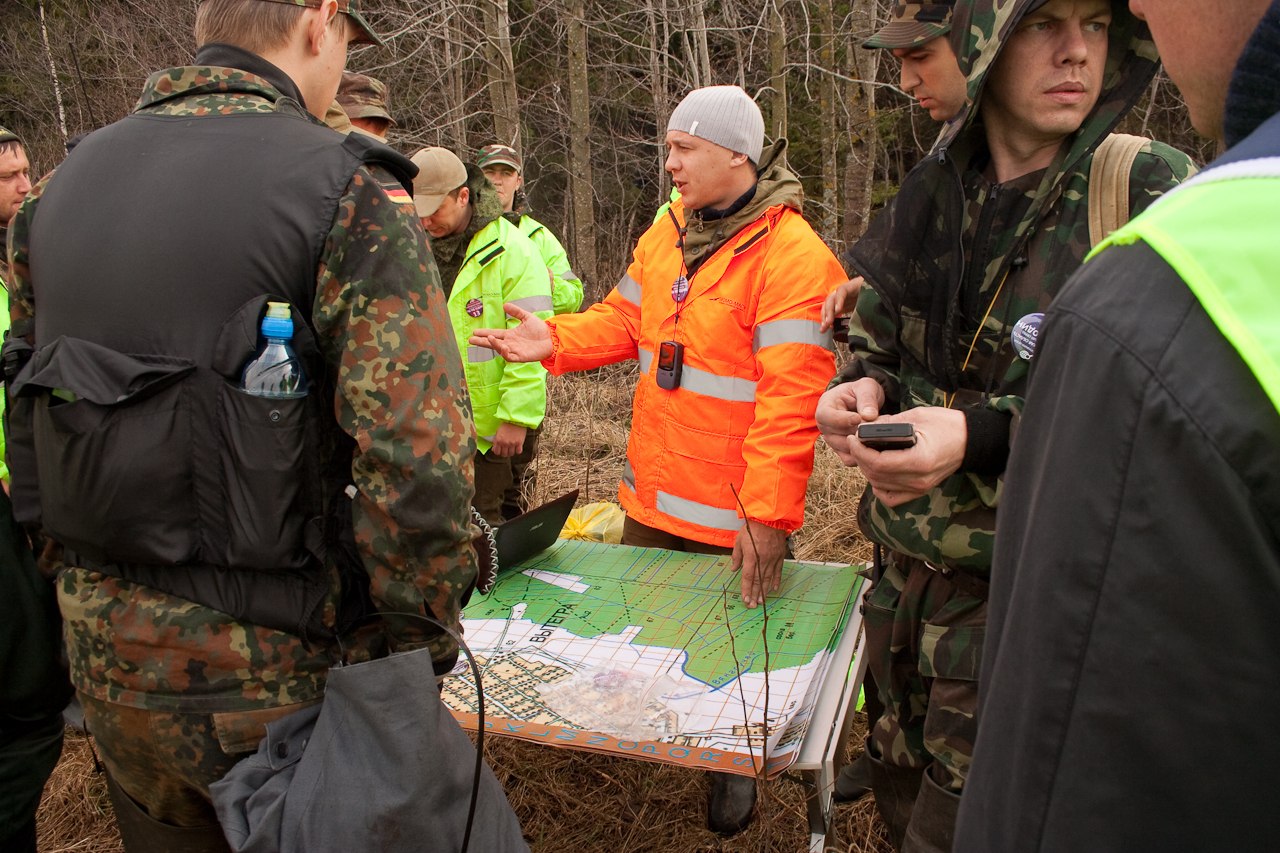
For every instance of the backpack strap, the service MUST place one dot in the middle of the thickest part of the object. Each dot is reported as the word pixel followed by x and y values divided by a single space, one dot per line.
pixel 1109 183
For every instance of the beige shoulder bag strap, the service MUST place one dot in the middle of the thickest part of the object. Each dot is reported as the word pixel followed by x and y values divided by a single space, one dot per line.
pixel 1109 184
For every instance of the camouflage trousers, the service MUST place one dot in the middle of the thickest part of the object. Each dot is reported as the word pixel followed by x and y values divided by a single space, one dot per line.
pixel 924 646
pixel 166 761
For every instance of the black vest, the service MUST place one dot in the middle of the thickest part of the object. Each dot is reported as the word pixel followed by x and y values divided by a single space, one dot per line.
pixel 153 252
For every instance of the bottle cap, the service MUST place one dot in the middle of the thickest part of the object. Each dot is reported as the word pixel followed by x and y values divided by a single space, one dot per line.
pixel 278 322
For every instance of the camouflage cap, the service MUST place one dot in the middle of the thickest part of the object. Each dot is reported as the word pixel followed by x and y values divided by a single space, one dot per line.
pixel 350 8
pixel 440 172
pixel 7 135
pixel 912 24
pixel 362 96
pixel 496 155
pixel 337 119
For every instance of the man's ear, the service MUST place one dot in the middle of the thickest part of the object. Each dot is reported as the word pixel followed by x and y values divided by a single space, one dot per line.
pixel 318 25
pixel 464 196
pixel 738 159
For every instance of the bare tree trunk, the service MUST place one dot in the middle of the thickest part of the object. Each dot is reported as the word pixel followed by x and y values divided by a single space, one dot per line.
pixel 451 38
pixel 502 73
pixel 777 126
pixel 580 195
pixel 864 139
pixel 702 53
pixel 827 107
pixel 659 74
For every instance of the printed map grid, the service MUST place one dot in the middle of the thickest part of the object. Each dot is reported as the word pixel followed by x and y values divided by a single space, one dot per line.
pixel 629 650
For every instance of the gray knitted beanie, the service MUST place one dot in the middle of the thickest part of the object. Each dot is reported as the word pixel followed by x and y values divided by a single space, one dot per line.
pixel 725 115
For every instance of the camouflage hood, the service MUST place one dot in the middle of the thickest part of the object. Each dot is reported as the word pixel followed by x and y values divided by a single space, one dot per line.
pixel 913 251
pixel 979 32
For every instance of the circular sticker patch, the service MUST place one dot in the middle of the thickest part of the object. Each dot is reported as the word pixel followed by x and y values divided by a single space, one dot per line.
pixel 1026 334
pixel 475 307
pixel 680 288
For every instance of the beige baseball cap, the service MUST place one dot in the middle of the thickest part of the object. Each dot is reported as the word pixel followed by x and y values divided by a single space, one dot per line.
pixel 440 172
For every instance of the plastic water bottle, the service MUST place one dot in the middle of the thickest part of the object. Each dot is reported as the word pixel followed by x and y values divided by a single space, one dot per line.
pixel 276 371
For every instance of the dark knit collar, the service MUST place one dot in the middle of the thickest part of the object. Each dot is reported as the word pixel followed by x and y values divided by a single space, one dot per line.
pixel 1253 96
pixel 710 214
pixel 230 56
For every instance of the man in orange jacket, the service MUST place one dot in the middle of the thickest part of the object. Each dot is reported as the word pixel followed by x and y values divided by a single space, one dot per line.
pixel 721 305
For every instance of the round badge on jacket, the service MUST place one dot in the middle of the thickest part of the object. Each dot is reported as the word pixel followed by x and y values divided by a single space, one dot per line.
pixel 475 307
pixel 680 288
pixel 1026 334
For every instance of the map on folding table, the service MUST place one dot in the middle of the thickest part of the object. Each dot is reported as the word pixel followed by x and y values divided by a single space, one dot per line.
pixel 650 653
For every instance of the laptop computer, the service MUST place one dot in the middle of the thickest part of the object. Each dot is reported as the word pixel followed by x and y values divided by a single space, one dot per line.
pixel 534 531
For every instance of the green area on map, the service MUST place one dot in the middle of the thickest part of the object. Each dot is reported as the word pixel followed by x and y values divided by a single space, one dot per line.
pixel 678 600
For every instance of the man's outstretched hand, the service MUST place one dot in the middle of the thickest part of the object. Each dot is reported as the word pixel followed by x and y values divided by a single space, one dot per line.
pixel 529 341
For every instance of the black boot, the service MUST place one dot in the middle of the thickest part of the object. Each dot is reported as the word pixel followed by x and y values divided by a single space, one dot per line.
pixel 895 789
pixel 730 801
pixel 142 833
pixel 933 821
pixel 854 781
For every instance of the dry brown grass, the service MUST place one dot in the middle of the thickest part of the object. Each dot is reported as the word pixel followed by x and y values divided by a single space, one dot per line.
pixel 570 801
pixel 75 814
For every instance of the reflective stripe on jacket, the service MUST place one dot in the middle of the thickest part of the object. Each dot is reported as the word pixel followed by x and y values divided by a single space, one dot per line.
pixel 566 287
pixel 501 266
pixel 754 366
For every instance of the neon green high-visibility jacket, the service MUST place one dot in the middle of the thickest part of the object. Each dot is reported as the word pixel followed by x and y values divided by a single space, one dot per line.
pixel 502 265
pixel 566 287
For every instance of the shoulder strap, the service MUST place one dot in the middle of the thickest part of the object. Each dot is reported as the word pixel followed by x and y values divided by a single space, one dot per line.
pixel 1109 184
pixel 371 151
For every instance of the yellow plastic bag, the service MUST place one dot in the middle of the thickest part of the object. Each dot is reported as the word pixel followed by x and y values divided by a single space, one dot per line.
pixel 596 522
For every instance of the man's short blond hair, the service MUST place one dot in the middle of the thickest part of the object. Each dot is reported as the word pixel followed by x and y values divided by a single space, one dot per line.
pixel 249 24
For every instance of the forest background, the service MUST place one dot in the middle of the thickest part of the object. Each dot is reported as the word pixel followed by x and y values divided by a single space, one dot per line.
pixel 583 88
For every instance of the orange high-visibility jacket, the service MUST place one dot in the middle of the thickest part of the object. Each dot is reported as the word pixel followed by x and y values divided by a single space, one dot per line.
pixel 755 365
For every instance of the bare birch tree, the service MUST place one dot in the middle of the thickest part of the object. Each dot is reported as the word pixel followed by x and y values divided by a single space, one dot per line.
pixel 503 96
pixel 860 97
pixel 776 125
pixel 580 185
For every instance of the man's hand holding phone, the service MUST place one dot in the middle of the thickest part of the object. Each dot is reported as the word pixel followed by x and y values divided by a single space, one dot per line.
pixel 921 448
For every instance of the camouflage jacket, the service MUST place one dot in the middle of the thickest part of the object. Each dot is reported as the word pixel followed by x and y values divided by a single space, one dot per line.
pixel 380 317
pixel 956 261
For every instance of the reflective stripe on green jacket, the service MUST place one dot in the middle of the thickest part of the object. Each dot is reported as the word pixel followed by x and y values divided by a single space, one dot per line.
pixel 566 287
pixel 1217 232
pixel 502 266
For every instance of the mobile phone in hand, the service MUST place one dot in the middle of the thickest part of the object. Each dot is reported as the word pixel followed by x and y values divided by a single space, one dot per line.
pixel 887 436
